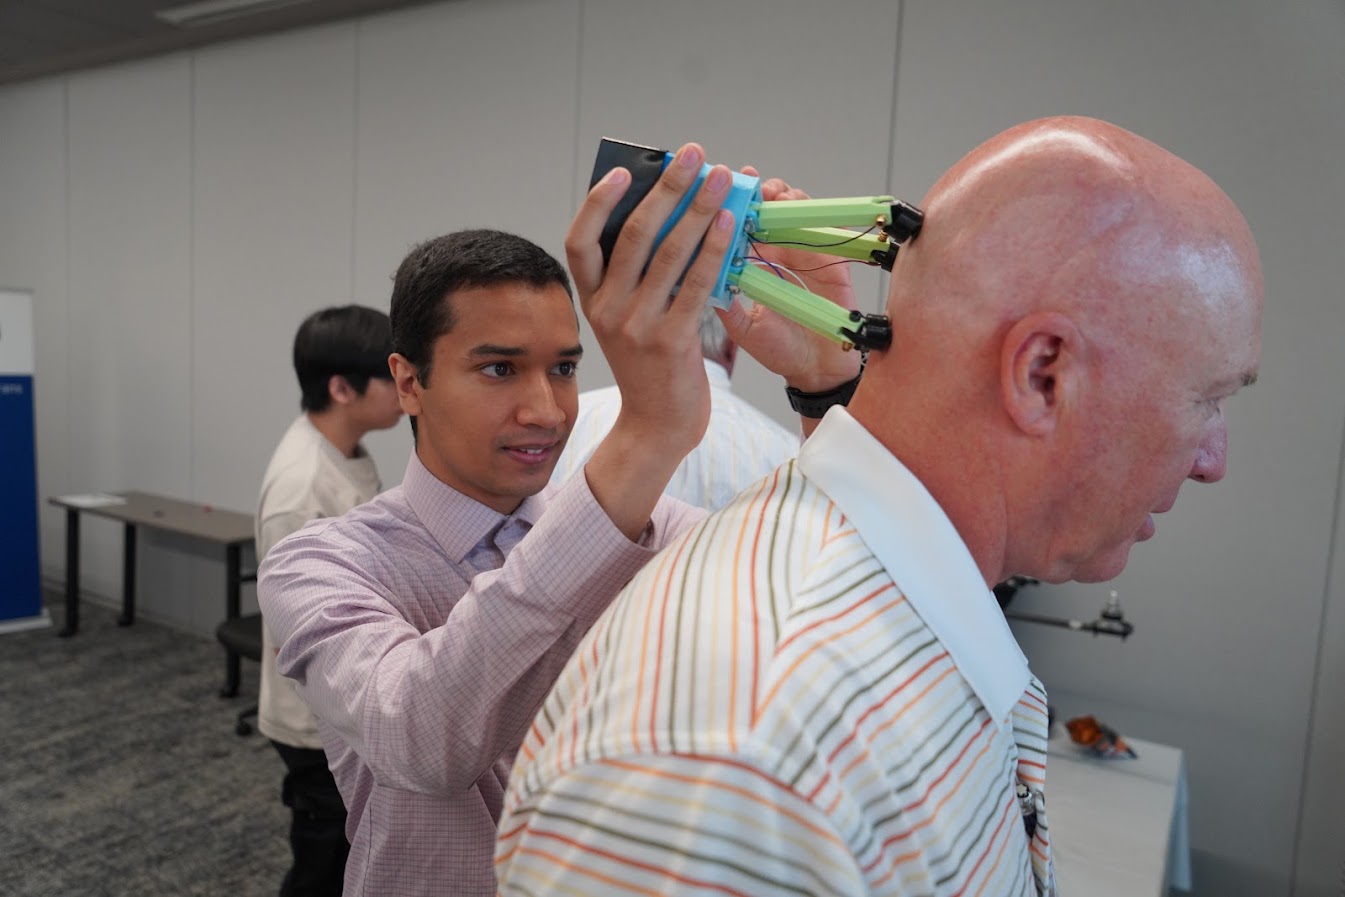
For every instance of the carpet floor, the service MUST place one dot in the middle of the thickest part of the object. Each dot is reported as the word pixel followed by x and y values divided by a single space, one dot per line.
pixel 121 773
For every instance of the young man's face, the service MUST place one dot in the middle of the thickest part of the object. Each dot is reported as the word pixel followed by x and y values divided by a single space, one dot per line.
pixel 502 395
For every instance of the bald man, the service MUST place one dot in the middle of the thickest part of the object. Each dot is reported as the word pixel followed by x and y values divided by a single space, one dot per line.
pixel 814 691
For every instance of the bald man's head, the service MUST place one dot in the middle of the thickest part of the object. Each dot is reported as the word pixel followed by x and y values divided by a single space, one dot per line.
pixel 1077 306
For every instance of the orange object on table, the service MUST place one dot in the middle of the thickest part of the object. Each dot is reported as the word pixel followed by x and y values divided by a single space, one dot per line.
pixel 1101 740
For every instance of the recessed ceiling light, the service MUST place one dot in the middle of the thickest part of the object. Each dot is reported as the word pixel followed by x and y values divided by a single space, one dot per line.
pixel 208 12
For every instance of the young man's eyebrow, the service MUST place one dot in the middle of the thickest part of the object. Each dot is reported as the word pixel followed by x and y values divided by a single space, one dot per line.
pixel 490 350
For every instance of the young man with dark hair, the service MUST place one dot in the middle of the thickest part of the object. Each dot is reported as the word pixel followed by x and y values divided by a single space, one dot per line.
pixel 320 469
pixel 425 628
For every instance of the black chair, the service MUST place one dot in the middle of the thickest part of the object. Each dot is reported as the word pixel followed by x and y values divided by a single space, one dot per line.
pixel 242 637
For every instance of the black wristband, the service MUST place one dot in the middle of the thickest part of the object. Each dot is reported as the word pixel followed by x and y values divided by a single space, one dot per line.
pixel 815 404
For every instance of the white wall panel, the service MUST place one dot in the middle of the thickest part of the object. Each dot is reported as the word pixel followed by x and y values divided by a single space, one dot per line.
pixel 273 223
pixel 130 298
pixel 33 256
pixel 1227 599
pixel 466 119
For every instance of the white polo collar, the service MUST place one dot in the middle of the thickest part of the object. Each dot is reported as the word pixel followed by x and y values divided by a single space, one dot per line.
pixel 916 543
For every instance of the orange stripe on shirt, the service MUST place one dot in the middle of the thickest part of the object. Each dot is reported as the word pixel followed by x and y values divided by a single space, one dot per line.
pixel 658 656
pixel 827 538
pixel 733 653
pixel 644 655
pixel 816 646
pixel 1010 809
pixel 732 789
pixel 841 613
pixel 999 858
pixel 625 861
pixel 854 730
pixel 756 634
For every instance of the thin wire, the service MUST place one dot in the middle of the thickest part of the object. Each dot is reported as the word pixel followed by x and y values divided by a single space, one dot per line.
pixel 778 269
pixel 834 264
pixel 774 267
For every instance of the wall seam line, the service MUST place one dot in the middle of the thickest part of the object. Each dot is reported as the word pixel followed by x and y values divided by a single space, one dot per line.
pixel 1317 659
pixel 191 273
pixel 355 156
pixel 578 105
pixel 881 303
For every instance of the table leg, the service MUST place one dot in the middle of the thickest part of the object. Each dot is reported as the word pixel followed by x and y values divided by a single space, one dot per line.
pixel 234 580
pixel 71 574
pixel 128 577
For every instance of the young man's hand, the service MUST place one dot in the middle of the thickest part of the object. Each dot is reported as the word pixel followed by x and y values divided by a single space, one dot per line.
pixel 807 360
pixel 649 336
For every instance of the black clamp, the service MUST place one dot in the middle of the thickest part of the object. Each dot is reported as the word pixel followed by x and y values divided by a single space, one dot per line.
pixel 872 332
pixel 903 223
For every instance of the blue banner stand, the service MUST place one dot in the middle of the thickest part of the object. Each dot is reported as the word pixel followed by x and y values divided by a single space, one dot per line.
pixel 21 582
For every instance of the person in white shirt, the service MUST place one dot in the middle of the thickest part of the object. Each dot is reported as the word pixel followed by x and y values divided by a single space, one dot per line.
pixel 320 469
pixel 814 692
pixel 741 444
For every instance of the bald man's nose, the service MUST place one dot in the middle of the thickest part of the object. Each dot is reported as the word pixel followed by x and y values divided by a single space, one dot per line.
pixel 1212 457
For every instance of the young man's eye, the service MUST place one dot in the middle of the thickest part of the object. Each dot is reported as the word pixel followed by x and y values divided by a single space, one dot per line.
pixel 498 369
pixel 566 368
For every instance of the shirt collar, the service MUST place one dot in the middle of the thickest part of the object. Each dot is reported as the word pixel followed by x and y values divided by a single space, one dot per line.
pixel 917 544
pixel 325 445
pixel 458 523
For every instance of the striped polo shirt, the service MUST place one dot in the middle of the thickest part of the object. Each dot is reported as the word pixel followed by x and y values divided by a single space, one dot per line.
pixel 811 692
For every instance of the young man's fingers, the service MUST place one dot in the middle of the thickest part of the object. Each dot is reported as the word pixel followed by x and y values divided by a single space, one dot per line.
pixel 737 322
pixel 675 252
pixel 582 250
pixel 636 239
pixel 701 277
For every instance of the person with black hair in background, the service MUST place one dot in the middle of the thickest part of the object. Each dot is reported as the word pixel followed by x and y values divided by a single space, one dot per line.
pixel 320 469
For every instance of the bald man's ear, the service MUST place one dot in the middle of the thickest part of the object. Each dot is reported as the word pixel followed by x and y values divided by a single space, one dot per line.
pixel 1038 360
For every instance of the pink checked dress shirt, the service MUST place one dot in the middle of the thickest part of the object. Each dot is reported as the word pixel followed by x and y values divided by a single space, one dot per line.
pixel 424 656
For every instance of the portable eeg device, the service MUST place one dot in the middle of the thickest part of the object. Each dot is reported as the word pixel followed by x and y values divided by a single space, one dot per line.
pixel 815 225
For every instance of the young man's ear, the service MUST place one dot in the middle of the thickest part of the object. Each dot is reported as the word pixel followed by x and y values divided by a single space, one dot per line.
pixel 408 383
pixel 1039 361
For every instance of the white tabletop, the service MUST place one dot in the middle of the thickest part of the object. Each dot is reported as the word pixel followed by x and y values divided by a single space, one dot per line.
pixel 1118 827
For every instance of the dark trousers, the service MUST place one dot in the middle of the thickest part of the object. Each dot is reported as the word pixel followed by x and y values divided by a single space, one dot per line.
pixel 318 826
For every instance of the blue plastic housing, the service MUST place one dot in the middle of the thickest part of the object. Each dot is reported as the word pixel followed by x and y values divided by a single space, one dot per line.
pixel 743 200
